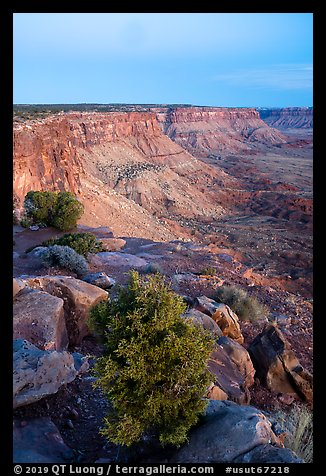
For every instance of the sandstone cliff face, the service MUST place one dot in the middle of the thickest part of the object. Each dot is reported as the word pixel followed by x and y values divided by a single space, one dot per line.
pixel 204 130
pixel 119 165
pixel 289 117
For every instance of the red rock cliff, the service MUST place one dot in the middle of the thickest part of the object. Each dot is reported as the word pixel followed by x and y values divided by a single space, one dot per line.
pixel 46 152
pixel 206 130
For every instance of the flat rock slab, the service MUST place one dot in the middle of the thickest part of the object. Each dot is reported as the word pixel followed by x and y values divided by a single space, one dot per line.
pixel 113 244
pixel 118 260
pixel 38 373
pixel 39 318
pixel 39 441
pixel 227 432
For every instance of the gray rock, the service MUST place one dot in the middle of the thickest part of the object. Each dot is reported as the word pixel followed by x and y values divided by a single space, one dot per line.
pixel 15 255
pixel 226 432
pixel 269 454
pixel 38 373
pixel 39 441
pixel 102 280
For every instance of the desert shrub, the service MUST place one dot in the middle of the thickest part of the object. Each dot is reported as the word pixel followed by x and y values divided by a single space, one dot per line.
pixel 26 222
pixel 209 271
pixel 82 243
pixel 246 307
pixel 65 257
pixel 58 209
pixel 298 424
pixel 154 370
pixel 152 268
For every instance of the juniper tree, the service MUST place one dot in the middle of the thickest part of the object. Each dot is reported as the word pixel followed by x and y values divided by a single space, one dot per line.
pixel 154 370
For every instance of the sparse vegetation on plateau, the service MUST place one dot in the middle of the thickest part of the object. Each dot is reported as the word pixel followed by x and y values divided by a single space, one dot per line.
pixel 65 257
pixel 154 371
pixel 58 209
pixel 247 308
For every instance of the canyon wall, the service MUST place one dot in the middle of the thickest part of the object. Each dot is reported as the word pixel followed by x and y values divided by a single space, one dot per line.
pixel 206 130
pixel 288 118
pixel 134 171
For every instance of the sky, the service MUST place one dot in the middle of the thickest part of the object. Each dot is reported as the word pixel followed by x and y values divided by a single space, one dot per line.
pixel 207 59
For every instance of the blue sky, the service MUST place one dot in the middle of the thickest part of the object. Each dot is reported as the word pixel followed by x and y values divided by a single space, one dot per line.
pixel 213 59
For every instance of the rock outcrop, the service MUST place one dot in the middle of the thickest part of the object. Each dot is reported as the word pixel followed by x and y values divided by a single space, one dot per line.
pixel 225 318
pixel 232 433
pixel 77 296
pixel 240 357
pixel 277 366
pixel 229 382
pixel 203 320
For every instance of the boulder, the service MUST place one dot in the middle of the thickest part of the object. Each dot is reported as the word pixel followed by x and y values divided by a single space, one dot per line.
pixel 113 244
pixel 227 378
pixel 277 366
pixel 38 373
pixel 39 318
pixel 240 357
pixel 39 441
pixel 78 297
pixel 203 320
pixel 18 285
pixel 101 280
pixel 226 432
pixel 268 454
pixel 225 318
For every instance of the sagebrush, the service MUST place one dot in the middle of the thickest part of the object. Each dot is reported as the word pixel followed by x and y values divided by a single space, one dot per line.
pixel 154 371
pixel 82 243
pixel 65 257
pixel 247 307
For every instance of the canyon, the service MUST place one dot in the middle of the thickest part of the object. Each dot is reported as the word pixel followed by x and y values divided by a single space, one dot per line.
pixel 219 176
pixel 208 197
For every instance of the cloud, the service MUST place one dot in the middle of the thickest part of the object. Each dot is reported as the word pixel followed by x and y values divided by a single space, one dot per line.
pixel 281 77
